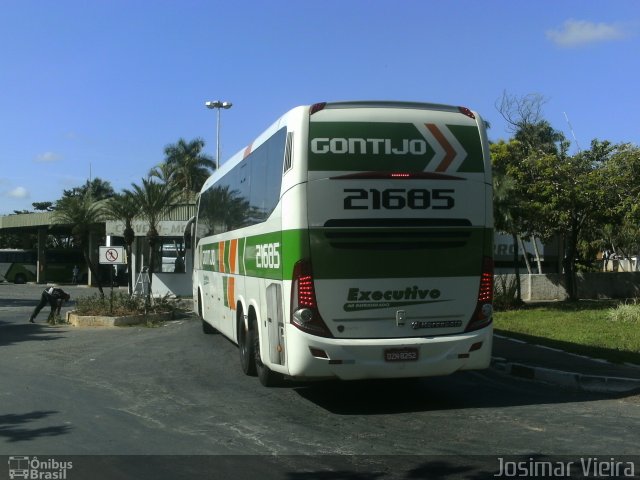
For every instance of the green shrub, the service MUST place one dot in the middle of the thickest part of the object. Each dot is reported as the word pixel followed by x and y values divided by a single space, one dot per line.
pixel 505 293
pixel 120 304
pixel 625 313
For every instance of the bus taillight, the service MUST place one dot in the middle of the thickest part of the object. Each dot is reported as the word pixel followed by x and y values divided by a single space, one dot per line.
pixel 304 306
pixel 467 112
pixel 483 314
pixel 316 107
pixel 306 292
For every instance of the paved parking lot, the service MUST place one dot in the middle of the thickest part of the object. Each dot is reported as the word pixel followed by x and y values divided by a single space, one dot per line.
pixel 172 390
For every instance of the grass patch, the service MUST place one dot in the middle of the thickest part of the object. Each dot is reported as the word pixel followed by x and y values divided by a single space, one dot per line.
pixel 625 313
pixel 598 329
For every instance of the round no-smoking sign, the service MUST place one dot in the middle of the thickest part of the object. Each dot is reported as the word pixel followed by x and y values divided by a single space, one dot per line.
pixel 112 255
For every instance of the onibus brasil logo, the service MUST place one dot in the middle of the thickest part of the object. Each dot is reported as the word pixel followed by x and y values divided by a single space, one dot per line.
pixel 37 469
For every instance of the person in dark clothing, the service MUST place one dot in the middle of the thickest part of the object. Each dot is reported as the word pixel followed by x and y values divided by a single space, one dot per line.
pixel 54 297
pixel 74 274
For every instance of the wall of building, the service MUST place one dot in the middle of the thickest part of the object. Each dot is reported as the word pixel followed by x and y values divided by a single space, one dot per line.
pixel 590 285
pixel 172 284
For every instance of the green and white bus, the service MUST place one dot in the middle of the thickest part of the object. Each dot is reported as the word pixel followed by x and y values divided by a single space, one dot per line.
pixel 21 265
pixel 18 265
pixel 352 240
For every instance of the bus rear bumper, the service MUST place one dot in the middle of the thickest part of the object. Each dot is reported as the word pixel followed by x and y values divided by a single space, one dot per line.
pixel 388 358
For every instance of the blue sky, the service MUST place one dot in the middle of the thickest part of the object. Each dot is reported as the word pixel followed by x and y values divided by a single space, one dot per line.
pixel 102 86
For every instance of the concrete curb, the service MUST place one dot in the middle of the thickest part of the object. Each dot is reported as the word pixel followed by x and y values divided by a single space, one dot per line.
pixel 105 321
pixel 576 381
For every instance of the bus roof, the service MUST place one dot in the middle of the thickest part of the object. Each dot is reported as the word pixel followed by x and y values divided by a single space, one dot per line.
pixel 280 122
pixel 394 104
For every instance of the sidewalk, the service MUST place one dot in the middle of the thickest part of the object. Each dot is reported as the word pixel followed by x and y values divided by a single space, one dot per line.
pixel 549 365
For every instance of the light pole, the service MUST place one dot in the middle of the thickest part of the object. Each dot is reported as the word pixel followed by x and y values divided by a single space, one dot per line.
pixel 218 105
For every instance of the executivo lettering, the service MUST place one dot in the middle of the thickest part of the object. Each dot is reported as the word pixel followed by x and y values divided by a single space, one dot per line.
pixel 358 299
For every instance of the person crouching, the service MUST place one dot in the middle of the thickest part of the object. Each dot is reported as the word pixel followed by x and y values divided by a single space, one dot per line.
pixel 55 297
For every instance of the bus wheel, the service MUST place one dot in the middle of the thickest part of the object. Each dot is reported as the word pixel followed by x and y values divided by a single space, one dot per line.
pixel 267 377
pixel 20 278
pixel 246 345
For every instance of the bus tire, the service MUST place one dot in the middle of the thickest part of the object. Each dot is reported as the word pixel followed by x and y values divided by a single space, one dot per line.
pixel 267 377
pixel 246 345
pixel 19 278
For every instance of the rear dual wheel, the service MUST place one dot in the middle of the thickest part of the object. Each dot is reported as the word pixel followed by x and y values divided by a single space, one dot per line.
pixel 246 346
pixel 250 355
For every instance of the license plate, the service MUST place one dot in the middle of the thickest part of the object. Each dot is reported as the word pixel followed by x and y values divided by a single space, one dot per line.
pixel 401 355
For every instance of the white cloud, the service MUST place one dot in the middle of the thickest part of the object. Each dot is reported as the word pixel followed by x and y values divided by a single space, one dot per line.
pixel 18 192
pixel 575 33
pixel 48 157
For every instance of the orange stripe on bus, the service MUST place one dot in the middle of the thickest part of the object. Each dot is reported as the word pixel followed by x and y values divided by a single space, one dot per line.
pixel 231 293
pixel 450 151
pixel 232 256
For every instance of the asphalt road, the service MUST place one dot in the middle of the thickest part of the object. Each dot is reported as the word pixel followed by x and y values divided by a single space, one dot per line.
pixel 172 390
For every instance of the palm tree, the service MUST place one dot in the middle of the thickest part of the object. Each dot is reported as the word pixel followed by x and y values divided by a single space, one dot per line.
pixel 504 211
pixel 540 136
pixel 124 207
pixel 154 200
pixel 163 172
pixel 85 215
pixel 186 166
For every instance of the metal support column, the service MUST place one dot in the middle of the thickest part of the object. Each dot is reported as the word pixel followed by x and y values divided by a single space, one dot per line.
pixel 42 260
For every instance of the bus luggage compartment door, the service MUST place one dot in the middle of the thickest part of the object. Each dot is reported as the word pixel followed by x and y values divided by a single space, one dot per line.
pixel 275 324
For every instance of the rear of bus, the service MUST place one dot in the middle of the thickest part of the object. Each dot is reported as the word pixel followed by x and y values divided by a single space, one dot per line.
pixel 398 280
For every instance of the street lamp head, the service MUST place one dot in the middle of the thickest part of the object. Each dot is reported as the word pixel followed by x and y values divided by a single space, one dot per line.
pixel 218 104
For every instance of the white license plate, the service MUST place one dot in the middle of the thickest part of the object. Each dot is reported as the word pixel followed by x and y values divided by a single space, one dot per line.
pixel 401 355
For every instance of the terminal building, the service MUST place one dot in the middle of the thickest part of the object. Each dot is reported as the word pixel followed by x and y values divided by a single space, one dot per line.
pixel 44 265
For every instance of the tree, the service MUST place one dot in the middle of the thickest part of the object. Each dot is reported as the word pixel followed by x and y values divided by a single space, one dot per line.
pixel 539 137
pixel 18 240
pixel 533 137
pixel 85 215
pixel 163 172
pixel 154 200
pixel 509 204
pixel 568 193
pixel 519 112
pixel 620 197
pixel 43 206
pixel 124 207
pixel 589 200
pixel 526 122
pixel 98 189
pixel 185 166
